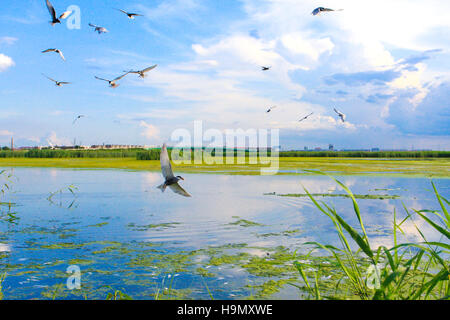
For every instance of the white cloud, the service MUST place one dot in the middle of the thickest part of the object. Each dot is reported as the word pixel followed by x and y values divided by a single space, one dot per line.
pixel 5 133
pixel 5 62
pixel 300 44
pixel 54 139
pixel 8 40
pixel 223 85
pixel 149 131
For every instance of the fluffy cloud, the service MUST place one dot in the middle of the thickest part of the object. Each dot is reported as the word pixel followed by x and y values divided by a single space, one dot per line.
pixel 5 62
pixel 149 131
pixel 430 117
pixel 5 133
pixel 376 72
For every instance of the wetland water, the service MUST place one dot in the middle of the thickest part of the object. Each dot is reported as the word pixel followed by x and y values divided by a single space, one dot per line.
pixel 233 239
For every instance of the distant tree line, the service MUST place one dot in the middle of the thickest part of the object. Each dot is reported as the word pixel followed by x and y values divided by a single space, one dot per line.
pixel 153 154
pixel 367 154
pixel 48 153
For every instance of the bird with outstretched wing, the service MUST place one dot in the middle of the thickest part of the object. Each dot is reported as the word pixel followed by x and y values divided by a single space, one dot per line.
pixel 171 180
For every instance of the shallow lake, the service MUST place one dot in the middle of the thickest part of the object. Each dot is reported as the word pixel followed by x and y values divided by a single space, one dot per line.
pixel 124 234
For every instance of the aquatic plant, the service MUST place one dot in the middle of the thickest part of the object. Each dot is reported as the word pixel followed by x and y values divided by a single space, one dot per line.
pixel 117 295
pixel 72 188
pixel 2 278
pixel 6 180
pixel 407 271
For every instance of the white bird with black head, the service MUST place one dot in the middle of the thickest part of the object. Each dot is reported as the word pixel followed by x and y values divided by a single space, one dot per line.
pixel 112 83
pixel 98 29
pixel 56 51
pixel 52 12
pixel 142 73
pixel 57 83
pixel 130 15
pixel 171 179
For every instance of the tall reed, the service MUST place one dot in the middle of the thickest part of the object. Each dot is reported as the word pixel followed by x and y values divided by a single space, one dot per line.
pixel 407 271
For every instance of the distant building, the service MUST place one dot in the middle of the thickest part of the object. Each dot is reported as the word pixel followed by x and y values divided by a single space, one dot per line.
pixel 330 147
pixel 305 148
pixel 318 149
pixel 115 146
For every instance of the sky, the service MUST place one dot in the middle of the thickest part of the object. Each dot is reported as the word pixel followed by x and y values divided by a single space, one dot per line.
pixel 385 64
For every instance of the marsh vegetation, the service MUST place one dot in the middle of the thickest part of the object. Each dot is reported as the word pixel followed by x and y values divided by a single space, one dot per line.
pixel 132 243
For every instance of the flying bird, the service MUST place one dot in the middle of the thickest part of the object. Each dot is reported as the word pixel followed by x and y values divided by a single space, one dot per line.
pixel 130 15
pixel 112 83
pixel 99 29
pixel 270 109
pixel 263 68
pixel 171 180
pixel 57 51
pixel 340 114
pixel 52 12
pixel 141 73
pixel 319 10
pixel 306 117
pixel 79 117
pixel 57 83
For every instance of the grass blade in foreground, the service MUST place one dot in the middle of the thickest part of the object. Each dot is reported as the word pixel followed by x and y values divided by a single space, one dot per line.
pixel 414 270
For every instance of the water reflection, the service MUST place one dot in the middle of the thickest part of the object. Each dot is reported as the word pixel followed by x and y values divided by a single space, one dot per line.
pixel 124 232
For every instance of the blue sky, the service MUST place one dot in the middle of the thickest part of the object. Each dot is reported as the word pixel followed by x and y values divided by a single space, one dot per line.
pixel 385 65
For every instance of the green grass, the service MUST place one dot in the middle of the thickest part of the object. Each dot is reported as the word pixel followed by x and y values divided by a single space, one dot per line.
pixel 407 271
pixel 290 166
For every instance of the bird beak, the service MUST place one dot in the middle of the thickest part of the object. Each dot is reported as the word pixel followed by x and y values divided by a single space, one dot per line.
pixel 182 178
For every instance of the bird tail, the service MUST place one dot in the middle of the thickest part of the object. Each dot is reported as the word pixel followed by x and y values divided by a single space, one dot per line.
pixel 162 187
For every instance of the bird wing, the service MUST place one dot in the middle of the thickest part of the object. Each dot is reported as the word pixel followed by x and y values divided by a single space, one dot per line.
pixel 61 55
pixel 327 9
pixel 179 190
pixel 48 50
pixel 150 68
pixel 336 111
pixel 64 82
pixel 136 14
pixel 120 77
pixel 51 10
pixel 93 25
pixel 101 79
pixel 166 167
pixel 122 11
pixel 315 11
pixel 65 14
pixel 49 78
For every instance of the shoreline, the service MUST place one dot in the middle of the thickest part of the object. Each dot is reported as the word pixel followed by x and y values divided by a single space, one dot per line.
pixel 427 168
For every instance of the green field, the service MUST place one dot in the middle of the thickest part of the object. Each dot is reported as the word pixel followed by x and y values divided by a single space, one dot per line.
pixel 288 165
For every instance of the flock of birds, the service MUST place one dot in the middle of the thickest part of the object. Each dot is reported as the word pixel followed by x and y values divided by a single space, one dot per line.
pixel 171 181
pixel 112 83
pixel 341 115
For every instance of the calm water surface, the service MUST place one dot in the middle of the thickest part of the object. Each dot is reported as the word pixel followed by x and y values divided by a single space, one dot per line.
pixel 124 234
